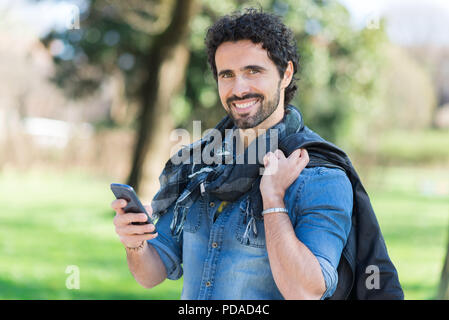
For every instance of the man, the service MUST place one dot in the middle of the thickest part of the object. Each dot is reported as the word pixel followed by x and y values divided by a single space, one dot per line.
pixel 232 233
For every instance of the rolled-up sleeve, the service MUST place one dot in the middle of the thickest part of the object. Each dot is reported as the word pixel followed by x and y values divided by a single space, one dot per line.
pixel 168 248
pixel 324 209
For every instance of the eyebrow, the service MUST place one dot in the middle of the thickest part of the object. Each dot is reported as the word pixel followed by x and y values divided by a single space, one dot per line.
pixel 250 67
pixel 254 67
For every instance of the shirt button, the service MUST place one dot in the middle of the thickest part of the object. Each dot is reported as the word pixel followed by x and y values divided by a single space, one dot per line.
pixel 211 204
pixel 208 284
pixel 214 245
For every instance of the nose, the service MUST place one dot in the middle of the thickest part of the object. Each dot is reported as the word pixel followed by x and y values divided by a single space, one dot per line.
pixel 240 87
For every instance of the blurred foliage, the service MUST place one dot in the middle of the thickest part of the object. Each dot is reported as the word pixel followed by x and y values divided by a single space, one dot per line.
pixel 410 95
pixel 105 44
pixel 417 147
pixel 351 82
pixel 338 65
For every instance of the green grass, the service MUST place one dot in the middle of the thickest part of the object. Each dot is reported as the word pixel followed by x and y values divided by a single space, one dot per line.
pixel 49 221
pixel 52 220
pixel 412 206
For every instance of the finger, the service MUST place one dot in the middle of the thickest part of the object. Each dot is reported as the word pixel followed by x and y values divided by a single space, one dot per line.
pixel 133 217
pixel 119 204
pixel 132 229
pixel 272 164
pixel 119 212
pixel 274 156
pixel 138 238
pixel 279 154
pixel 295 154
pixel 266 158
pixel 126 219
pixel 301 162
pixel 304 157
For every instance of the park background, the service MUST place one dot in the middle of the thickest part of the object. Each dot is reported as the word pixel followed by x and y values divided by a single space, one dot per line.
pixel 91 90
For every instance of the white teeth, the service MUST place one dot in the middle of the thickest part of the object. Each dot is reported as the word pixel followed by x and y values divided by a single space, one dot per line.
pixel 244 105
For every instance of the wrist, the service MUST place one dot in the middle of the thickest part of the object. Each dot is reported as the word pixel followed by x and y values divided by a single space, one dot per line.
pixel 273 201
pixel 138 249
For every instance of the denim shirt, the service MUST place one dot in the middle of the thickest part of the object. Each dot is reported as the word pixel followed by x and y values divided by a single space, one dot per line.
pixel 221 260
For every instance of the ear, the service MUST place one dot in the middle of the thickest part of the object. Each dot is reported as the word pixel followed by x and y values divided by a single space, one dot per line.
pixel 288 75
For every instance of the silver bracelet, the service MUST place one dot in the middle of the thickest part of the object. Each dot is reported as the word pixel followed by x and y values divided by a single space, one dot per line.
pixel 271 210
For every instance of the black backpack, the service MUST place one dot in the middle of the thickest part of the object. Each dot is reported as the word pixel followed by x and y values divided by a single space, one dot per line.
pixel 365 254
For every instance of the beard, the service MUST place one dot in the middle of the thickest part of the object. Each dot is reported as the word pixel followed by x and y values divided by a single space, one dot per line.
pixel 266 109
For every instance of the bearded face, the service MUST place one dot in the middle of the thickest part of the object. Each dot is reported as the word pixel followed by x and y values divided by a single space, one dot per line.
pixel 249 84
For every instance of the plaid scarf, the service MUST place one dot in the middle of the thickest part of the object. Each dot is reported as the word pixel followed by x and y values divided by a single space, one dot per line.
pixel 228 176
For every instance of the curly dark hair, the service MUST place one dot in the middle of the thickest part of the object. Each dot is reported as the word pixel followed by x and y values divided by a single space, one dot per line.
pixel 259 27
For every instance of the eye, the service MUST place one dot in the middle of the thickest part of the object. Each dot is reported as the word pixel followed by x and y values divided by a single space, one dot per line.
pixel 253 71
pixel 225 75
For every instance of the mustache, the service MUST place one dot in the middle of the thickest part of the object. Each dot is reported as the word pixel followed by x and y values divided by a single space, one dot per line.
pixel 247 96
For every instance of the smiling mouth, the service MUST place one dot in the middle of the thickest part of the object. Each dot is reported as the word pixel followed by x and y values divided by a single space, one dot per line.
pixel 244 107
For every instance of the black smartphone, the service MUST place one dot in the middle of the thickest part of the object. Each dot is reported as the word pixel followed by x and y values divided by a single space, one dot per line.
pixel 123 191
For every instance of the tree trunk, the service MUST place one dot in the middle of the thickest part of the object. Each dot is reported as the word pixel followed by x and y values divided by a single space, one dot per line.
pixel 166 65
pixel 443 290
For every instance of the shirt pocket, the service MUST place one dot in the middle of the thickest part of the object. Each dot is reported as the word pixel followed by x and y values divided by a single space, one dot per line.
pixel 249 230
pixel 193 216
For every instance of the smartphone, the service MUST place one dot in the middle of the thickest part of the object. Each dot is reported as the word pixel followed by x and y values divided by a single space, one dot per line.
pixel 123 191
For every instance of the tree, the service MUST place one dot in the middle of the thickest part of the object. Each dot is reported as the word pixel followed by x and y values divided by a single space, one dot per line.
pixel 443 290
pixel 167 61
pixel 143 42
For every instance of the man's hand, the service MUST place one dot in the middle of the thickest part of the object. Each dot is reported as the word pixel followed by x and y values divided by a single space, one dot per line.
pixel 132 236
pixel 280 172
pixel 145 264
